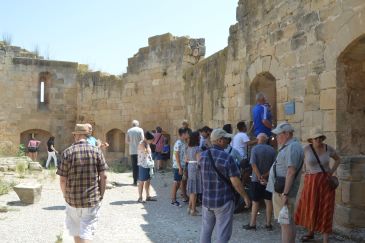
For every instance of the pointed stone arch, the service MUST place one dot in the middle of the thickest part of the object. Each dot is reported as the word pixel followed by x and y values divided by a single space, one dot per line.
pixel 264 82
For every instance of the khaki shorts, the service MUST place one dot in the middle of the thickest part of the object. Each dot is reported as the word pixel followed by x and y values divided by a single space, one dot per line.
pixel 82 221
pixel 278 205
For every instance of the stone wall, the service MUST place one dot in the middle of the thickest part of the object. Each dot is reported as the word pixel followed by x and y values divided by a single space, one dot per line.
pixel 152 90
pixel 22 113
pixel 309 53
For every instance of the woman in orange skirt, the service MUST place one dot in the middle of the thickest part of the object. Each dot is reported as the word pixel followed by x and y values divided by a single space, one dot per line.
pixel 316 205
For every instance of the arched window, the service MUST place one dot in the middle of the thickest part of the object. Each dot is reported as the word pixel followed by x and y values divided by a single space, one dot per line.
pixel 44 84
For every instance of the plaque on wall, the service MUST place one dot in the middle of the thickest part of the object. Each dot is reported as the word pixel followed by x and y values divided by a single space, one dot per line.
pixel 289 108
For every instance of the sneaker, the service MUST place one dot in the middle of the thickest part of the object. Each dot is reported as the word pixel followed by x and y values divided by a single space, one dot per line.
pixel 176 203
pixel 249 227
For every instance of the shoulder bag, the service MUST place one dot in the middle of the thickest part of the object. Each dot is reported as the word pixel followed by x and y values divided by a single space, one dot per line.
pixel 279 181
pixel 154 145
pixel 332 180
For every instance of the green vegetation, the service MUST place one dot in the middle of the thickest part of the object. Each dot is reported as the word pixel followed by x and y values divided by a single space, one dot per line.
pixel 5 186
pixel 59 238
pixel 21 168
pixel 21 150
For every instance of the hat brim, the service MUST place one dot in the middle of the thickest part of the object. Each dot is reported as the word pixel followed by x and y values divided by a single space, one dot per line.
pixel 228 135
pixel 310 140
pixel 80 133
pixel 277 131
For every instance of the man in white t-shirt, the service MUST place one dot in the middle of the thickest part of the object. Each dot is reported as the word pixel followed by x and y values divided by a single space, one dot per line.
pixel 240 140
pixel 134 136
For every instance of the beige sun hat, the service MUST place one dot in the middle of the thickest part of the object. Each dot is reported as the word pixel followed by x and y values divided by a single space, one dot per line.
pixel 81 129
pixel 315 133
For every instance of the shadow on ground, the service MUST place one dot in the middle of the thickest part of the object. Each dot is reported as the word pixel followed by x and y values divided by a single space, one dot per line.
pixel 17 203
pixel 119 203
pixel 55 208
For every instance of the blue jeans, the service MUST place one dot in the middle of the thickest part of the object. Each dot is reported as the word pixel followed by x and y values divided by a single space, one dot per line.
pixel 222 218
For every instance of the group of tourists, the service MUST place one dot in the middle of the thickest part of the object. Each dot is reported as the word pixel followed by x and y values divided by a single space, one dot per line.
pixel 213 168
pixel 33 148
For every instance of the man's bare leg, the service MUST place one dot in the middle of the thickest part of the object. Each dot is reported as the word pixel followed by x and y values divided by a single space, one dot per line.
pixel 255 209
pixel 268 204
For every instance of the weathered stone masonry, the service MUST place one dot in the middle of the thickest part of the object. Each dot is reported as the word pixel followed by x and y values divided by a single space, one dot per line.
pixel 310 53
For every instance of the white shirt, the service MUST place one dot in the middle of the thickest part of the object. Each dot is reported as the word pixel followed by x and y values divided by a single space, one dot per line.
pixel 135 136
pixel 239 142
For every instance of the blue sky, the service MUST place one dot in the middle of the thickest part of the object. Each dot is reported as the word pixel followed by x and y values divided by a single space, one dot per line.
pixel 104 34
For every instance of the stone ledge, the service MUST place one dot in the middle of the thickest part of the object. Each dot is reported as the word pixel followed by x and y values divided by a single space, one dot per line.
pixel 39 62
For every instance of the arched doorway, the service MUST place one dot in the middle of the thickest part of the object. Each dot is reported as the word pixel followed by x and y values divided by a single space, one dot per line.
pixel 38 134
pixel 351 99
pixel 265 83
pixel 350 126
pixel 116 140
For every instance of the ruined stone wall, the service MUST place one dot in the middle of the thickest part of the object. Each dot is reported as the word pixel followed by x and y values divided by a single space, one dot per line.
pixel 204 94
pixel 152 90
pixel 21 113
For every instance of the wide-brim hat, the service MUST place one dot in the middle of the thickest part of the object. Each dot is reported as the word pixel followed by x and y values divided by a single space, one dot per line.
pixel 315 133
pixel 81 129
pixel 219 133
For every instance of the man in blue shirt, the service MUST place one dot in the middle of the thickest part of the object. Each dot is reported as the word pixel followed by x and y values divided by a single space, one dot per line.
pixel 262 120
pixel 218 193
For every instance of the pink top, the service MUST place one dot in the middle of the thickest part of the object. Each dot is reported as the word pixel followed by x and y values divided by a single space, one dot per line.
pixel 33 143
pixel 159 140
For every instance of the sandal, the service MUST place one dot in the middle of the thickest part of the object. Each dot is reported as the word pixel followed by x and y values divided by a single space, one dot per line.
pixel 306 238
pixel 195 213
pixel 186 200
pixel 249 227
pixel 269 227
pixel 176 203
pixel 140 200
pixel 151 199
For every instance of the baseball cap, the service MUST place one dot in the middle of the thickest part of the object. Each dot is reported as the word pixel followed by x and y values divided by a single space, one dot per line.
pixel 283 127
pixel 219 133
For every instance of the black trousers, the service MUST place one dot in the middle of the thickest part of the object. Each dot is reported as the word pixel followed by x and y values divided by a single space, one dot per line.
pixel 134 159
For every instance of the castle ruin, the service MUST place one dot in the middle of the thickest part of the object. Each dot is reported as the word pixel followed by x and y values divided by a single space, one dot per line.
pixel 308 56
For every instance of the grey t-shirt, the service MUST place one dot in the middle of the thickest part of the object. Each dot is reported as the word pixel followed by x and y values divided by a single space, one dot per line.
pixel 135 136
pixel 291 155
pixel 263 156
pixel 311 163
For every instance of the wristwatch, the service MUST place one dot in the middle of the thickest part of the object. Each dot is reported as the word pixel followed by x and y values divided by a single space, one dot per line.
pixel 285 194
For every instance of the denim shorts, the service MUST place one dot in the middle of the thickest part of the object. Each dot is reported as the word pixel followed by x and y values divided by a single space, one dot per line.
pixel 143 173
pixel 177 177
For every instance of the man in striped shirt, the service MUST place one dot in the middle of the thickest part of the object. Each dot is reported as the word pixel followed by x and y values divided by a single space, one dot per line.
pixel 218 189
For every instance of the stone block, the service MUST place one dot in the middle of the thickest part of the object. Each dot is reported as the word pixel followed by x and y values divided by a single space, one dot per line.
pixel 312 85
pixel 28 193
pixel 329 121
pixel 328 99
pixel 352 168
pixel 3 168
pixel 299 39
pixel 311 102
pixel 282 94
pixel 328 79
pixel 35 166
pixel 352 193
pixel 349 217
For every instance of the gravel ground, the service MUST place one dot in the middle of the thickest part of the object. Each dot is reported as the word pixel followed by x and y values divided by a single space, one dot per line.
pixel 122 219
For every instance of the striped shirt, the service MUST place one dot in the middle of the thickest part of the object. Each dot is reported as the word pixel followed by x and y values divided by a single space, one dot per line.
pixel 81 165
pixel 216 192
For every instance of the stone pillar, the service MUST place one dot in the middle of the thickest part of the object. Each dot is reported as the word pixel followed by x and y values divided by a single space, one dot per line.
pixel 350 195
